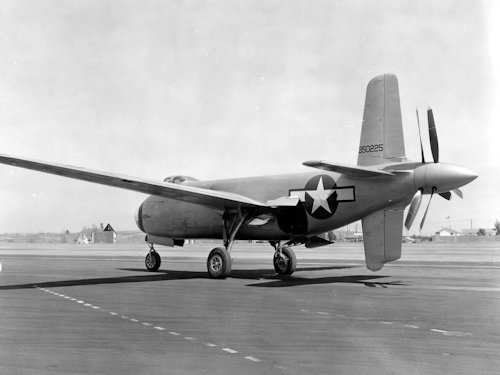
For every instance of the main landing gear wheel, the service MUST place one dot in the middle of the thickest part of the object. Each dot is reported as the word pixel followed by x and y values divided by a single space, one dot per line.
pixel 285 263
pixel 219 263
pixel 152 261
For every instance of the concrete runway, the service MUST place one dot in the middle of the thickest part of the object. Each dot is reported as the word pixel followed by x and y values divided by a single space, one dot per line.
pixel 93 309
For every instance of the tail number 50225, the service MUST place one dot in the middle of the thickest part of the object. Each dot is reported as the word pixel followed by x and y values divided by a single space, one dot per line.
pixel 371 148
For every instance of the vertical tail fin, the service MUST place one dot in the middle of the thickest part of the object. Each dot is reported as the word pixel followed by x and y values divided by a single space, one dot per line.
pixel 382 131
pixel 382 237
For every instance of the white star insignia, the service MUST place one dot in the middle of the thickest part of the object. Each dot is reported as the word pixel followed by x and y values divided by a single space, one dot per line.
pixel 320 197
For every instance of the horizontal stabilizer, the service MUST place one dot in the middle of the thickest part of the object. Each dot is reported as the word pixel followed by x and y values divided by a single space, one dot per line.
pixel 348 170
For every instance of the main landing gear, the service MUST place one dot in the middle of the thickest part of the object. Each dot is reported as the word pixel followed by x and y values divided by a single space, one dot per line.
pixel 219 263
pixel 219 260
pixel 284 259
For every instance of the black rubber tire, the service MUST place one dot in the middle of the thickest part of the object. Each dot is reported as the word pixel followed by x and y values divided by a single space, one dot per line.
pixel 286 264
pixel 152 261
pixel 219 263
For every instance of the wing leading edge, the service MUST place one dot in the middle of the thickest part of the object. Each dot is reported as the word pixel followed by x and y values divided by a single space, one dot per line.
pixel 212 198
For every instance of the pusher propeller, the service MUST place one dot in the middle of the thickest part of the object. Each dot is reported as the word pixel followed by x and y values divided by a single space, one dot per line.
pixel 433 135
pixel 459 193
pixel 414 206
pixel 417 198
pixel 447 194
pixel 427 209
pixel 434 177
pixel 420 137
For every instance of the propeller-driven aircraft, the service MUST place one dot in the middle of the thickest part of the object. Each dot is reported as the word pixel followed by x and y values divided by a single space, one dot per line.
pixel 293 209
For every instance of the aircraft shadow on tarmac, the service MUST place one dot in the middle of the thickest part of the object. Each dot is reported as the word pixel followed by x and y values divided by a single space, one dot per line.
pixel 268 277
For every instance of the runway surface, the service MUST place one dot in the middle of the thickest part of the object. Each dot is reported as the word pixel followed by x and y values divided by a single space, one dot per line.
pixel 93 309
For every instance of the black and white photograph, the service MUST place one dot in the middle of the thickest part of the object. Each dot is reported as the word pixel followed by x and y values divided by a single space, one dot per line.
pixel 249 187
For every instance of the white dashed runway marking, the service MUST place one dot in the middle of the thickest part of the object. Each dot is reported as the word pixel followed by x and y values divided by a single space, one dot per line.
pixel 253 359
pixel 194 340
pixel 387 323
pixel 452 333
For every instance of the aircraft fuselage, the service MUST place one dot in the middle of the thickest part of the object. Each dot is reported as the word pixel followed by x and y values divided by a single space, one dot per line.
pixel 327 201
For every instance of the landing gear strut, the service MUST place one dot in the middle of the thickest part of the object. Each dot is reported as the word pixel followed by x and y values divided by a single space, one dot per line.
pixel 219 260
pixel 153 259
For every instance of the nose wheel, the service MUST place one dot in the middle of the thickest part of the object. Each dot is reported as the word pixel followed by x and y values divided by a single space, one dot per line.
pixel 153 260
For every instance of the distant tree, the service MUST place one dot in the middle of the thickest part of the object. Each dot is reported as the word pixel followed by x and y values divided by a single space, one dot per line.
pixel 497 227
pixel 89 230
pixel 481 232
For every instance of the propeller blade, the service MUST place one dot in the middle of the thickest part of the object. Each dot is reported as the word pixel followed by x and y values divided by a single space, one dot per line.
pixel 426 210
pixel 446 195
pixel 458 192
pixel 420 137
pixel 414 206
pixel 433 136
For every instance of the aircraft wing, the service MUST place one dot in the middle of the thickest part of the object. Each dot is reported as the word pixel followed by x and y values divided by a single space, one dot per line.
pixel 348 170
pixel 212 198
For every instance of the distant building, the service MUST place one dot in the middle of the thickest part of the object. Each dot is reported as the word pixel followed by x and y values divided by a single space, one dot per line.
pixel 107 235
pixel 446 232
pixel 82 239
pixel 356 237
pixel 475 231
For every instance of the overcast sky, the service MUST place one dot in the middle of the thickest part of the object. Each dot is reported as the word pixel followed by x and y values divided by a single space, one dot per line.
pixel 220 89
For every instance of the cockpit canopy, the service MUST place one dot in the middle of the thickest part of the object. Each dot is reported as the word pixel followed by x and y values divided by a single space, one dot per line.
pixel 179 179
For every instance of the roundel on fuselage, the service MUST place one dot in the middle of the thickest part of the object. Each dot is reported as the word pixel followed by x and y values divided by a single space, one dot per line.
pixel 319 196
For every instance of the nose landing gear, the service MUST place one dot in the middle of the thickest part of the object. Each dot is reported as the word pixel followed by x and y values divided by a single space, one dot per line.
pixel 153 259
